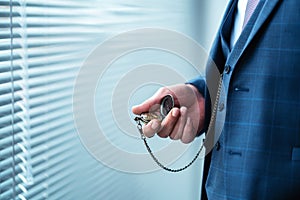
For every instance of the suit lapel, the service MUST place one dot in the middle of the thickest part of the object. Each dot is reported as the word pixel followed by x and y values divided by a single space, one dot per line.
pixel 263 15
pixel 251 29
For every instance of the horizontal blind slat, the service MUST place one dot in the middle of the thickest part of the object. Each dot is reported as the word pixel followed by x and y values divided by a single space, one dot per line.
pixel 48 48
pixel 50 148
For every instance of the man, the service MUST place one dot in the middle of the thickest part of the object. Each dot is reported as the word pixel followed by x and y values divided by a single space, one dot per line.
pixel 257 155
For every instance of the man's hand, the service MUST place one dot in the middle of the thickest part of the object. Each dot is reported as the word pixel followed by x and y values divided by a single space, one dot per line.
pixel 184 121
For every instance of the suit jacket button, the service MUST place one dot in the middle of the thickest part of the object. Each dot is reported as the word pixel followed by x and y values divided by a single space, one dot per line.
pixel 218 146
pixel 221 106
pixel 227 69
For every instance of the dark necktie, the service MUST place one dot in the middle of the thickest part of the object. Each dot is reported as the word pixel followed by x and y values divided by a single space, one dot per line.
pixel 251 5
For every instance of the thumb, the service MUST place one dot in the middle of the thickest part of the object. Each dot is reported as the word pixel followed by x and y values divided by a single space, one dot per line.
pixel 153 103
pixel 146 106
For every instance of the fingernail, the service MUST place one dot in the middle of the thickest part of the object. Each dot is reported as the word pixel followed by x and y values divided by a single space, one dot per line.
pixel 183 110
pixel 188 121
pixel 134 107
pixel 154 125
pixel 175 112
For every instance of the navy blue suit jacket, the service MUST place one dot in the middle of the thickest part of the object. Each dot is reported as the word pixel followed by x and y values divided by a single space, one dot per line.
pixel 258 152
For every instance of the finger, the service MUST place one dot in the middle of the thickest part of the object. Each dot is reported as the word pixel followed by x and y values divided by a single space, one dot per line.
pixel 179 127
pixel 151 128
pixel 189 132
pixel 169 122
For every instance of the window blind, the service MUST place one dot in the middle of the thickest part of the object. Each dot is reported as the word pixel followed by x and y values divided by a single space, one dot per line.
pixel 38 65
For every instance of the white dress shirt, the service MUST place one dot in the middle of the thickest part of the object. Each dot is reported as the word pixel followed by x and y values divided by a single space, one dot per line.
pixel 238 22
